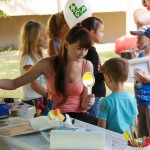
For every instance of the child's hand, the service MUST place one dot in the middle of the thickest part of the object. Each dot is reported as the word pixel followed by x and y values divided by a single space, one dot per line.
pixel 88 101
pixel 142 76
pixel 135 52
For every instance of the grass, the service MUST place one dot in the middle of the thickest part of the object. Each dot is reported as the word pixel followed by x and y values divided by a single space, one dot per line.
pixel 105 55
pixel 9 68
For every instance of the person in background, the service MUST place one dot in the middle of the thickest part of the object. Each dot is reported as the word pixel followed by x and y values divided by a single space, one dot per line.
pixel 32 39
pixel 118 111
pixel 63 74
pixel 96 27
pixel 141 17
pixel 56 30
pixel 142 89
pixel 146 3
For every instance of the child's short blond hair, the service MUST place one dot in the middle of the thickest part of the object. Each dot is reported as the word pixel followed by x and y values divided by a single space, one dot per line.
pixel 117 68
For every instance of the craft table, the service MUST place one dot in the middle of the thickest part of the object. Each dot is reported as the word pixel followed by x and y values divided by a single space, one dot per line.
pixel 36 141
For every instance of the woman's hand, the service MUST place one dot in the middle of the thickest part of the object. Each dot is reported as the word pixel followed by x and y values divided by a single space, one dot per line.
pixel 88 101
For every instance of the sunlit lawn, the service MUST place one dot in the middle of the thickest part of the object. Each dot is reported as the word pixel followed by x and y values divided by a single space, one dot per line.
pixel 104 55
pixel 9 68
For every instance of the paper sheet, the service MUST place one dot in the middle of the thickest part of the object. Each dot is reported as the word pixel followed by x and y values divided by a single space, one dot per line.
pixel 18 126
pixel 43 123
pixel 63 139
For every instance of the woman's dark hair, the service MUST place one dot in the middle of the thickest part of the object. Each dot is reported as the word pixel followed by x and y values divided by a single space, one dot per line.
pixel 60 63
pixel 91 23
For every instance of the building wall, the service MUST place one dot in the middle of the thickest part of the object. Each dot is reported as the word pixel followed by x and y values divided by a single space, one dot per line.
pixel 10 27
pixel 114 25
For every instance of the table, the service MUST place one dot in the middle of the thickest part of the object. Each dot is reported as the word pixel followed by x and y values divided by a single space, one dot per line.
pixel 36 141
pixel 25 142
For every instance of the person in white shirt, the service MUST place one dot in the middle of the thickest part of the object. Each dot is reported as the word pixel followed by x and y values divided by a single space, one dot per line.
pixel 32 39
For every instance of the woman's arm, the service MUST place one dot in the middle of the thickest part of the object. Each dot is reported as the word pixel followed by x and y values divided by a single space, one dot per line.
pixel 38 69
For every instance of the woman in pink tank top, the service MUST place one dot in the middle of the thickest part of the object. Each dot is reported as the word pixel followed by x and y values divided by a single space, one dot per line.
pixel 63 74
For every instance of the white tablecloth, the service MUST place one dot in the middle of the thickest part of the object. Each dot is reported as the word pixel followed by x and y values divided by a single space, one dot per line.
pixel 25 142
pixel 36 141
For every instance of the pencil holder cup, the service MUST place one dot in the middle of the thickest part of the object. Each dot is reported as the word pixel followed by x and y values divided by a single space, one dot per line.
pixel 43 106
pixel 137 148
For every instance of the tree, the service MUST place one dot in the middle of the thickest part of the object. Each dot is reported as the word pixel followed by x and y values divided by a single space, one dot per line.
pixel 2 13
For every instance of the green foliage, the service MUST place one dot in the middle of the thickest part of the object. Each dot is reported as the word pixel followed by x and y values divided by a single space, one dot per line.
pixel 2 13
pixel 6 49
pixel 9 68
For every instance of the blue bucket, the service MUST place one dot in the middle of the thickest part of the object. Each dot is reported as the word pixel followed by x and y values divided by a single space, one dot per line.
pixel 4 111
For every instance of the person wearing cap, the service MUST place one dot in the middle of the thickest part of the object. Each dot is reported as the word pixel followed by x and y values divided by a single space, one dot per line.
pixel 142 90
pixel 141 17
